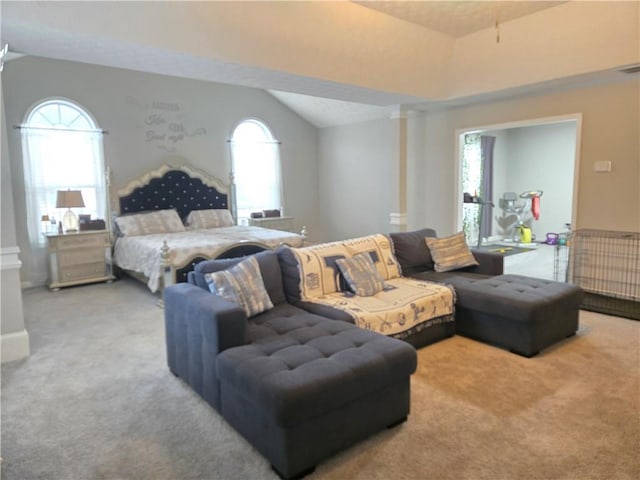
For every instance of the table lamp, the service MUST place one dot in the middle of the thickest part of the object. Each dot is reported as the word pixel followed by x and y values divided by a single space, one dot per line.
pixel 69 199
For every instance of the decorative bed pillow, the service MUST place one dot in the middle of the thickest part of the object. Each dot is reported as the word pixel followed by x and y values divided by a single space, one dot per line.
pixel 211 218
pixel 361 274
pixel 159 221
pixel 450 253
pixel 242 284
pixel 379 247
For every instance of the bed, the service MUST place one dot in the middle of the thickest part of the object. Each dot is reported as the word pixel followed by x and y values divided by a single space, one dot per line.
pixel 175 216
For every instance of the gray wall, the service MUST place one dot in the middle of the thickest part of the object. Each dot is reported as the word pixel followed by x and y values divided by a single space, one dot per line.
pixel 542 158
pixel 536 158
pixel 609 131
pixel 123 102
pixel 355 161
pixel 354 179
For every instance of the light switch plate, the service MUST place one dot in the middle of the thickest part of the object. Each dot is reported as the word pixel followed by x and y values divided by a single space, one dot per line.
pixel 603 166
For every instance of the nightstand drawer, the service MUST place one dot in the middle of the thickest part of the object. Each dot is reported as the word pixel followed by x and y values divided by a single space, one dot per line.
pixel 80 256
pixel 80 241
pixel 81 272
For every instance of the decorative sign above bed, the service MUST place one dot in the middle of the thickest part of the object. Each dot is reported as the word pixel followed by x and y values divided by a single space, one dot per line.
pixel 165 124
pixel 181 187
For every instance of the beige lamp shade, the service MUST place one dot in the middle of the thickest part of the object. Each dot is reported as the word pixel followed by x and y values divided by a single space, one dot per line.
pixel 69 199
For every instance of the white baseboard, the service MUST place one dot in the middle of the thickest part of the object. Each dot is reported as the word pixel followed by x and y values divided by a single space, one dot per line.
pixel 14 346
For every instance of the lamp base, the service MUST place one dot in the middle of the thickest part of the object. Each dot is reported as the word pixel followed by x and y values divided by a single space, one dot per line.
pixel 70 222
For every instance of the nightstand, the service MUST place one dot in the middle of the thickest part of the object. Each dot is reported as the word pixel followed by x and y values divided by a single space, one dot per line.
pixel 78 258
pixel 275 223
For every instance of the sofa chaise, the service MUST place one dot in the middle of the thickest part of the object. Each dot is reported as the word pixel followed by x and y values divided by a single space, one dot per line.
pixel 298 386
pixel 524 315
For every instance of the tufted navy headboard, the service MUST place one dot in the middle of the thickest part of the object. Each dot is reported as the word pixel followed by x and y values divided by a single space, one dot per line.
pixel 181 187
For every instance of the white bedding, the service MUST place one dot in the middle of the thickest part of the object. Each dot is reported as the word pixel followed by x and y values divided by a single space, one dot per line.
pixel 142 253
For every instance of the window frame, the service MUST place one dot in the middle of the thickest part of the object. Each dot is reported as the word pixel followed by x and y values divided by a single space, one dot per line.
pixel 40 194
pixel 242 213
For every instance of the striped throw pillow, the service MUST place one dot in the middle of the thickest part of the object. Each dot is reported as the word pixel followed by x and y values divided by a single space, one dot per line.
pixel 380 249
pixel 210 218
pixel 241 284
pixel 361 274
pixel 158 221
pixel 450 253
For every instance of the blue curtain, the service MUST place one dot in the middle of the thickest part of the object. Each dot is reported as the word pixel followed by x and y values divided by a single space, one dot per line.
pixel 486 189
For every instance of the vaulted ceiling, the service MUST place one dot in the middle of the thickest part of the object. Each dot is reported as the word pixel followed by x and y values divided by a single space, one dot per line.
pixel 339 62
pixel 457 18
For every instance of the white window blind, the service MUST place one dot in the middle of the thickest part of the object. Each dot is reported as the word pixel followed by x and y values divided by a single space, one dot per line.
pixel 256 168
pixel 62 149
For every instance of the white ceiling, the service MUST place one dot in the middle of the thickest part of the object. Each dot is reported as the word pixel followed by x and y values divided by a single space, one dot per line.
pixel 457 18
pixel 25 27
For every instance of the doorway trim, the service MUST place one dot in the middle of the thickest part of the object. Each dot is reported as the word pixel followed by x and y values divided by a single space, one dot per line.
pixel 458 149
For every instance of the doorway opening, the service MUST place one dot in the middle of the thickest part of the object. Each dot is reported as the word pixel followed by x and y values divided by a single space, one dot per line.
pixel 519 162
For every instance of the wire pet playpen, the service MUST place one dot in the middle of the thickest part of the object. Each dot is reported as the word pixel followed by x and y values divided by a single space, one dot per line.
pixel 606 265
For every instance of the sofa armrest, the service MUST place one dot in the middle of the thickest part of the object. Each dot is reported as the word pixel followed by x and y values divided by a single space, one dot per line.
pixel 200 325
pixel 490 263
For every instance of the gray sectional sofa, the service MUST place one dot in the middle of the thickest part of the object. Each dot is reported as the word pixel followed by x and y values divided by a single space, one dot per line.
pixel 298 386
pixel 301 382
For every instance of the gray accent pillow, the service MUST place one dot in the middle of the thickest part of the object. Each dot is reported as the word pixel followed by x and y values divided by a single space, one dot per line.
pixel 450 253
pixel 361 274
pixel 269 269
pixel 242 284
pixel 209 218
pixel 147 223
pixel 411 250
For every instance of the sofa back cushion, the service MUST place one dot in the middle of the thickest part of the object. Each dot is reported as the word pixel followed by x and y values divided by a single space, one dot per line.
pixel 319 273
pixel 290 274
pixel 412 251
pixel 269 269
pixel 378 246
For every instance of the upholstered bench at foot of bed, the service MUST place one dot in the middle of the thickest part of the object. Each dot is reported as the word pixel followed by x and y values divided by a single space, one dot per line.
pixel 302 397
pixel 521 314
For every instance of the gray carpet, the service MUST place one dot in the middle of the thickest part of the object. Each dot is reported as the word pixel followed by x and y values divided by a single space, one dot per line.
pixel 96 401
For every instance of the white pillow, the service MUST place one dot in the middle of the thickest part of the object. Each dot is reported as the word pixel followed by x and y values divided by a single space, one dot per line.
pixel 159 221
pixel 212 218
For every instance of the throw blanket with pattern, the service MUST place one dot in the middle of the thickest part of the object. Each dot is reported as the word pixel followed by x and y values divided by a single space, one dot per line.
pixel 404 307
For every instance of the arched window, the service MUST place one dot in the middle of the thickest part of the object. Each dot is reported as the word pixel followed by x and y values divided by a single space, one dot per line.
pixel 62 149
pixel 256 167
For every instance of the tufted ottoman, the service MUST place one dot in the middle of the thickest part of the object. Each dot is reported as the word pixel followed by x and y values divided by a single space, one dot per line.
pixel 522 314
pixel 312 388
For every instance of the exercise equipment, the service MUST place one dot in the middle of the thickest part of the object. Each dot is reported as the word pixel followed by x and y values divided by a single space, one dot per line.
pixel 529 206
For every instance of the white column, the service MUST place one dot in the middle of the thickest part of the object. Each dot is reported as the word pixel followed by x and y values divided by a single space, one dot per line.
pixel 398 214
pixel 14 339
